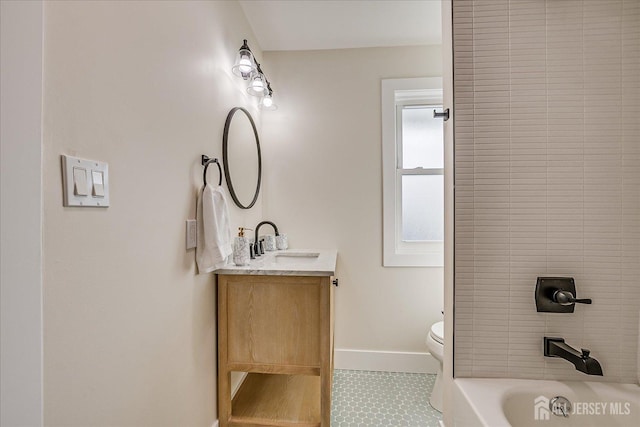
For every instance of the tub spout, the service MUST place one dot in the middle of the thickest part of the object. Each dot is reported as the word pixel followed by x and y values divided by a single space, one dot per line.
pixel 556 347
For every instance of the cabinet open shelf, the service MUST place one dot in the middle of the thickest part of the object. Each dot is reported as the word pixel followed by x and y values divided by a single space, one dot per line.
pixel 277 400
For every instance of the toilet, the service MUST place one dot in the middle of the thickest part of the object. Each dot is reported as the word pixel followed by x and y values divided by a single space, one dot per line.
pixel 435 344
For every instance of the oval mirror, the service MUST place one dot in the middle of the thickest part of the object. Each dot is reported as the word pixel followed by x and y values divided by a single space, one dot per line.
pixel 241 157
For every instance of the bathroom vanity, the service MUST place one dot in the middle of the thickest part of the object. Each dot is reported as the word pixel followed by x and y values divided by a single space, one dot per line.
pixel 275 323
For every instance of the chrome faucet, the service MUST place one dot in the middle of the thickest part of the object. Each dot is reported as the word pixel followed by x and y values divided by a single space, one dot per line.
pixel 258 248
pixel 560 406
pixel 556 347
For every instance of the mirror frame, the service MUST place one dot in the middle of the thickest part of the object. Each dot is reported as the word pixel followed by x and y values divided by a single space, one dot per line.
pixel 227 173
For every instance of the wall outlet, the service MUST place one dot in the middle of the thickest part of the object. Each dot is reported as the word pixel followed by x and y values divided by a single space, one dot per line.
pixel 192 234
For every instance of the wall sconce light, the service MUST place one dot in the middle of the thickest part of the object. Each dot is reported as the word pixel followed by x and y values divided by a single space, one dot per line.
pixel 257 85
pixel 247 67
pixel 266 103
pixel 245 63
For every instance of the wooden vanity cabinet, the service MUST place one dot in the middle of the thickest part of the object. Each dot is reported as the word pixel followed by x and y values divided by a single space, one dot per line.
pixel 278 329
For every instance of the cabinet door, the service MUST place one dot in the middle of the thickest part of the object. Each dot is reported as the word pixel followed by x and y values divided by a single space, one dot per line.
pixel 273 320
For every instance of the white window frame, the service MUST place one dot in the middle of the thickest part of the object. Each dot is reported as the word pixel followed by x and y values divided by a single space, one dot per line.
pixel 395 93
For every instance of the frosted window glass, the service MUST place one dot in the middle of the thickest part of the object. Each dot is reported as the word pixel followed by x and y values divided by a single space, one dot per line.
pixel 422 137
pixel 422 208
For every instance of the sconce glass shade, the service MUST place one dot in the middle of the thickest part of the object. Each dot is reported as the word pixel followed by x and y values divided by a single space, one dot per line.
pixel 245 65
pixel 257 86
pixel 266 103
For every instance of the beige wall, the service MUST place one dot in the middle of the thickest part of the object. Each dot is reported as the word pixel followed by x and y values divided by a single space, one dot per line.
pixel 21 214
pixel 129 328
pixel 547 176
pixel 323 186
pixel 129 335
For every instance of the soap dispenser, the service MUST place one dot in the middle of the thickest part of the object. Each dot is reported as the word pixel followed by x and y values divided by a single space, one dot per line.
pixel 241 248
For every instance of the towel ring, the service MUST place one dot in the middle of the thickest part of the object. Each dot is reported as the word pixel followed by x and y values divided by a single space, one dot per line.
pixel 206 161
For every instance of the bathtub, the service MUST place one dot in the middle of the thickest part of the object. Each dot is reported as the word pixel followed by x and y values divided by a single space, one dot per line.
pixel 525 403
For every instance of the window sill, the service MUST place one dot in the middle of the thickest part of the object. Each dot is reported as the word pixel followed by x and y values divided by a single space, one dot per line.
pixel 430 259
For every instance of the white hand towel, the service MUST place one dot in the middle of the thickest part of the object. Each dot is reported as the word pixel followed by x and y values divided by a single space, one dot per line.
pixel 214 233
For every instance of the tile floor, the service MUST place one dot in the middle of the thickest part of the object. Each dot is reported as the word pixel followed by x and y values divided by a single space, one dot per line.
pixel 382 399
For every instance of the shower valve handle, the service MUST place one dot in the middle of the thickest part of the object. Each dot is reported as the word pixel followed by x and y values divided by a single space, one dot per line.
pixel 567 298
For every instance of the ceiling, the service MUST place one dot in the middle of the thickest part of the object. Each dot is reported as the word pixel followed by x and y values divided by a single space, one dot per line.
pixel 339 24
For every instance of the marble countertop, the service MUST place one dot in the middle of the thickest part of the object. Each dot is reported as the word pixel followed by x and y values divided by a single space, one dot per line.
pixel 291 262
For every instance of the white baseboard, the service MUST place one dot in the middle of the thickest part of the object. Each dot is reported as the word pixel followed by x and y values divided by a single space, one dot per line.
pixel 387 361
pixel 236 382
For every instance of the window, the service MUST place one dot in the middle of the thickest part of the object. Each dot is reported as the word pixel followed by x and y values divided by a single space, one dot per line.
pixel 413 173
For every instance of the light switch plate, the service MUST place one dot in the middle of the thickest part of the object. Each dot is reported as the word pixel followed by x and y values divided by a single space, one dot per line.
pixel 192 234
pixel 93 194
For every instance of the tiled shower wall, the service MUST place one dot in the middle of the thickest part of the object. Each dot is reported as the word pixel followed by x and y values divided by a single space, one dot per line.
pixel 547 171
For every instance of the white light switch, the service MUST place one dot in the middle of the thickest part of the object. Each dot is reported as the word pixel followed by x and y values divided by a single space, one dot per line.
pixel 85 182
pixel 80 182
pixel 98 184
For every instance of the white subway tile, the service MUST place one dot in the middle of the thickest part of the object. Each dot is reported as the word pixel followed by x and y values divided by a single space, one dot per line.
pixel 547 177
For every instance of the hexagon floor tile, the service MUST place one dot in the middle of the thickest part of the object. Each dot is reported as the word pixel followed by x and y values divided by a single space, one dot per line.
pixel 382 399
